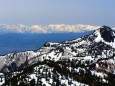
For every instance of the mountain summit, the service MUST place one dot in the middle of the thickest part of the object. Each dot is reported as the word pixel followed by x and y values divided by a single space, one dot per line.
pixel 88 60
pixel 107 33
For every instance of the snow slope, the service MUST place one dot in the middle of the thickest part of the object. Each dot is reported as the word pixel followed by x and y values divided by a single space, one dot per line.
pixel 89 56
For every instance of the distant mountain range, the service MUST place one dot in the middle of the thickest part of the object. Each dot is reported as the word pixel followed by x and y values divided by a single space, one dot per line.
pixel 54 28
pixel 88 61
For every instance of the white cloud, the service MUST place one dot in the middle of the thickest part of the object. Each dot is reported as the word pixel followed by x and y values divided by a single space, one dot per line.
pixel 47 29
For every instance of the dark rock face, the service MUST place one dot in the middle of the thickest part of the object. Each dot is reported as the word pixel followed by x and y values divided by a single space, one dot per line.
pixel 106 34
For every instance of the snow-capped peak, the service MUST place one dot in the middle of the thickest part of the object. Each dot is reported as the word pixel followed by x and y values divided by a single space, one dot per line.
pixel 105 34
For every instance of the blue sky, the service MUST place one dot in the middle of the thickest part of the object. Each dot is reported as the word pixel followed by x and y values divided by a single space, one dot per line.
pixel 45 12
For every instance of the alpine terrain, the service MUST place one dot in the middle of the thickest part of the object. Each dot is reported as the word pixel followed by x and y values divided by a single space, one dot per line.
pixel 86 61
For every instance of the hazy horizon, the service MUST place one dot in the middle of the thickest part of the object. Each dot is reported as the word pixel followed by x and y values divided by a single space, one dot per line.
pixel 45 12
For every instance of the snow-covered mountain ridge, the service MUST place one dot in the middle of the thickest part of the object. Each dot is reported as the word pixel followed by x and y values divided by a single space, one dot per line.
pixel 81 48
pixel 54 28
pixel 93 54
